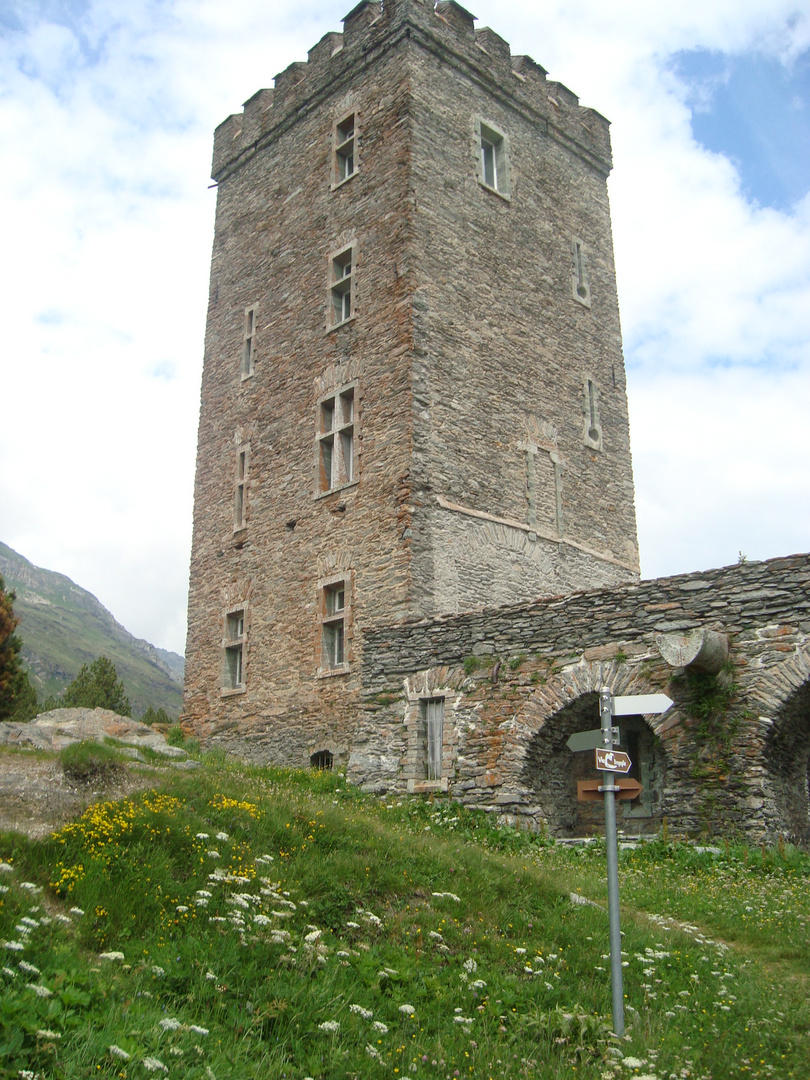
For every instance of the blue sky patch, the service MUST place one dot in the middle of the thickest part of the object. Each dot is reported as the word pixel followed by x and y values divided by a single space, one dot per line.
pixel 756 111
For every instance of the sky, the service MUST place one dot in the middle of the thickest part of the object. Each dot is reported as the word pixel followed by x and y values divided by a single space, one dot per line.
pixel 107 111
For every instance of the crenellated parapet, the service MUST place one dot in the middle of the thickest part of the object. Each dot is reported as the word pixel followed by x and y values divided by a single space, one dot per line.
pixel 444 28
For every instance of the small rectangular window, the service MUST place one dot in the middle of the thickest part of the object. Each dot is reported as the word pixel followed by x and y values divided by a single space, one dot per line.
pixel 341 287
pixel 248 342
pixel 492 158
pixel 345 150
pixel 333 626
pixel 336 459
pixel 240 487
pixel 434 737
pixel 233 673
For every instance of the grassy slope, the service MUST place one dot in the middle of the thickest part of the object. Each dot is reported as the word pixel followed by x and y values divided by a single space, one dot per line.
pixel 63 626
pixel 286 915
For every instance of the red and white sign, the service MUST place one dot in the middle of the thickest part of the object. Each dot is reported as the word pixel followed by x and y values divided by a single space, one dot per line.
pixel 612 761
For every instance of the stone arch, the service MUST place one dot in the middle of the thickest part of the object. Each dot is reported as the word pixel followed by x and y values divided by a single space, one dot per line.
pixel 547 771
pixel 783 695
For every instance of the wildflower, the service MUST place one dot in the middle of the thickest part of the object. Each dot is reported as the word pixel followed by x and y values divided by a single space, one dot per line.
pixel 29 969
pixel 373 1052
pixel 46 1033
pixel 313 936
pixel 62 918
pixel 39 990
pixel 12 974
pixel 470 966
pixel 365 1013
pixel 330 1026
pixel 29 886
pixel 222 836
pixel 157 970
pixel 213 854
pixel 634 1062
pixel 378 1025
pixel 407 1010
pixel 76 911
pixel 15 946
pixel 152 1064
pixel 181 909
pixel 169 1024
pixel 353 925
pixel 261 920
pixel 197 1029
pixel 210 976
pixel 201 836
pixel 5 868
pixel 116 1051
pixel 111 956
pixel 29 922
pixel 479 984
pixel 203 892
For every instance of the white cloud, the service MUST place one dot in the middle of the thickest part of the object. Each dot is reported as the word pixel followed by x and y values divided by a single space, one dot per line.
pixel 106 115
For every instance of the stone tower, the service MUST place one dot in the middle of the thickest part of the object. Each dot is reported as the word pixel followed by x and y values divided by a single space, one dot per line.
pixel 413 396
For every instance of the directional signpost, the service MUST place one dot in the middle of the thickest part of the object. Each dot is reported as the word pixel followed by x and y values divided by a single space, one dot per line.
pixel 610 762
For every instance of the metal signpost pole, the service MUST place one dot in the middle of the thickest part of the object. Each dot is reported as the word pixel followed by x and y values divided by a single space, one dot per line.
pixel 606 717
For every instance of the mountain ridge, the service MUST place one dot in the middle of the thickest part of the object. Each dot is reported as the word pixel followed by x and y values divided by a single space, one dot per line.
pixel 63 626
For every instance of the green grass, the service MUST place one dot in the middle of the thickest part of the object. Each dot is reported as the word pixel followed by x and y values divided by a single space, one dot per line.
pixel 258 923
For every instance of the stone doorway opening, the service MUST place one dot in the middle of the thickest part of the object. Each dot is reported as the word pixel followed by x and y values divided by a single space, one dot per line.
pixel 787 758
pixel 551 770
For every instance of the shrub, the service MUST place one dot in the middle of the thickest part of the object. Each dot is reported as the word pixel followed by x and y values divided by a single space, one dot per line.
pixel 85 762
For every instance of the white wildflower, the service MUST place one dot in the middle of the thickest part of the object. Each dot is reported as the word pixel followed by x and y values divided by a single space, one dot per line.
pixel 15 946
pixel 365 1013
pixel 520 952
pixel 435 935
pixel 213 854
pixel 62 918
pixel 29 886
pixel 76 911
pixel 157 970
pixel 12 974
pixel 210 976
pixel 462 1019
pixel 201 836
pixel 29 969
pixel 261 920
pixel 448 895
pixel 470 966
pixel 169 1024
pixel 197 1029
pixel 634 1062
pixel 222 836
pixel 40 990
pixel 407 1010
pixel 116 1051
pixel 330 1026
pixel 181 909
pixel 4 888
pixel 313 936
pixel 353 925
pixel 46 1033
pixel 29 922
pixel 378 1025
pixel 373 1052
pixel 479 984
pixel 152 1064
pixel 111 956
pixel 6 868
pixel 205 893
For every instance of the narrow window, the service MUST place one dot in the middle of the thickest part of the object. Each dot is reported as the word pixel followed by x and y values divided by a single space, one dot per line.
pixel 580 285
pixel 233 675
pixel 334 625
pixel 240 488
pixel 341 287
pixel 249 341
pixel 345 150
pixel 492 154
pixel 336 458
pixel 593 427
pixel 434 737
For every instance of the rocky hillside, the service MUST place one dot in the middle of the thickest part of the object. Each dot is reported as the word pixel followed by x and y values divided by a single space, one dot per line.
pixel 63 626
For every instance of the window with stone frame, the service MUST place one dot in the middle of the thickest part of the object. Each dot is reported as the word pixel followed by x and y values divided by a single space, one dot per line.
pixel 341 287
pixel 432 730
pixel 580 285
pixel 249 341
pixel 240 487
pixel 492 158
pixel 335 610
pixel 233 668
pixel 345 156
pixel 335 441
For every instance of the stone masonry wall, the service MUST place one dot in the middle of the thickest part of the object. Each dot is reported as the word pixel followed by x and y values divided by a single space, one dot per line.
pixel 731 755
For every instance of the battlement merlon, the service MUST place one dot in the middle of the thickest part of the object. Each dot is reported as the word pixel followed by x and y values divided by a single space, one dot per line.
pixel 445 28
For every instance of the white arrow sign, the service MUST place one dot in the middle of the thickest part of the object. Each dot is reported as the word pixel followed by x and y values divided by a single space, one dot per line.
pixel 640 704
